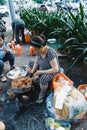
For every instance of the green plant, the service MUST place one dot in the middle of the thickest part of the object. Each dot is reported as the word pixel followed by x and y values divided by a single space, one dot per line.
pixel 73 35
pixel 76 44
pixel 70 30
pixel 41 21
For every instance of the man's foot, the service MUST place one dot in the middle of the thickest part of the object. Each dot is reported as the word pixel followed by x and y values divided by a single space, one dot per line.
pixel 12 67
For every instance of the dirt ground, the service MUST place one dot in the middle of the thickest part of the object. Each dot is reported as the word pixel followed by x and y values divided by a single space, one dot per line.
pixel 32 117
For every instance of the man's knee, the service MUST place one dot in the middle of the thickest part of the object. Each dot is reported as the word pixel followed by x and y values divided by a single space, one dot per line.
pixel 9 54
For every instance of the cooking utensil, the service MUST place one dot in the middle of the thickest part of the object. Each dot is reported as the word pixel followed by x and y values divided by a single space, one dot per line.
pixel 17 72
pixel 21 89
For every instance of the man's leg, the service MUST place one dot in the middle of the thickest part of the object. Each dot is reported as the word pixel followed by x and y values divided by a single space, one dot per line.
pixel 23 36
pixel 17 35
pixel 2 77
pixel 44 80
pixel 9 57
pixel 1 67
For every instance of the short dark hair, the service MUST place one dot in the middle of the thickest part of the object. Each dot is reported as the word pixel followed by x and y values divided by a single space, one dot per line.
pixel 2 35
pixel 38 41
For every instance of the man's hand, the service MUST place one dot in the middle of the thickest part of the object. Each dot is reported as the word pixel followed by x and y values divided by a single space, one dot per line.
pixel 5 50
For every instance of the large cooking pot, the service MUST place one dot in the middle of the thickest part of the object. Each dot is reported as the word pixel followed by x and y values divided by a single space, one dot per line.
pixel 22 84
pixel 21 88
pixel 24 94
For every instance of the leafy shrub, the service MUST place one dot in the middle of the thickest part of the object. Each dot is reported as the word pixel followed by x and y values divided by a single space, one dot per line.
pixel 70 30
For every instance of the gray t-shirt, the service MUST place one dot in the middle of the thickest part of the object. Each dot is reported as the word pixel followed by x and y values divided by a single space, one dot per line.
pixel 44 63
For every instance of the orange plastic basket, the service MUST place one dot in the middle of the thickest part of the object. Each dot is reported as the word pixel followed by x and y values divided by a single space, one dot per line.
pixel 83 87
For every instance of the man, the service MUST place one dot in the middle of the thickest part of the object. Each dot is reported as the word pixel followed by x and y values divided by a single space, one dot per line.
pixel 18 26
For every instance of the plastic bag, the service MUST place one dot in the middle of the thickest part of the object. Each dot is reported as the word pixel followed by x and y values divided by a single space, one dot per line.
pixel 74 103
pixel 17 50
pixel 61 79
pixel 52 124
pixel 51 112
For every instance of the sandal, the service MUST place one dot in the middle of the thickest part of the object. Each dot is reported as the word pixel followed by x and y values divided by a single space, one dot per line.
pixel 3 78
pixel 40 100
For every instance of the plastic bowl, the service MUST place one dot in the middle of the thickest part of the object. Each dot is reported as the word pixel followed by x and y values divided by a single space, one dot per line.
pixel 83 89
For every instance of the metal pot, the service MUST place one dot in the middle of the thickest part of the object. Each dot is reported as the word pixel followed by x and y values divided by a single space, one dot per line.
pixel 29 91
